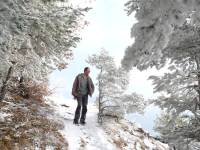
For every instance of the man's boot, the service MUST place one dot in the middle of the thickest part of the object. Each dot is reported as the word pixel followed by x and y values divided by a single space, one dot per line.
pixel 75 122
pixel 82 122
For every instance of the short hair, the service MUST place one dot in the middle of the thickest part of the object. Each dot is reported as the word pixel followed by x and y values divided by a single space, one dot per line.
pixel 86 68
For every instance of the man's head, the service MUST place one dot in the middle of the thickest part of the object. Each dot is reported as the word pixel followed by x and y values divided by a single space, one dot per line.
pixel 86 71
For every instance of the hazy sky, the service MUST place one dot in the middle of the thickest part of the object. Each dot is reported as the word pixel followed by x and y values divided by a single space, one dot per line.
pixel 109 27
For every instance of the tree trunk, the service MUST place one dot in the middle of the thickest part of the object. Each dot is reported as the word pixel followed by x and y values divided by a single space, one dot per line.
pixel 99 100
pixel 198 78
pixel 3 88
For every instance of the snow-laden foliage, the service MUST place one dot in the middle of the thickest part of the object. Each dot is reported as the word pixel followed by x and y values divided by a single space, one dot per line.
pixel 157 20
pixel 180 132
pixel 181 89
pixel 112 84
pixel 37 36
pixel 168 31
pixel 133 103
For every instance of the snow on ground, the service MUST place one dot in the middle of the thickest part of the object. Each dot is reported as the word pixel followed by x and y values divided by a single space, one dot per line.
pixel 90 136
pixel 3 115
pixel 111 135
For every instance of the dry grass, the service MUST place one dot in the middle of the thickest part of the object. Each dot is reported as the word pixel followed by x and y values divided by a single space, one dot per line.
pixel 28 89
pixel 37 91
pixel 83 144
pixel 120 142
pixel 125 128
pixel 141 145
pixel 27 126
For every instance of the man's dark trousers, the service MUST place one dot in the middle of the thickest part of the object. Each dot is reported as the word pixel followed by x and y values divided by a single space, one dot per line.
pixel 82 102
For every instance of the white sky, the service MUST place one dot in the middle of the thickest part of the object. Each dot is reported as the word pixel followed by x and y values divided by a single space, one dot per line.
pixel 109 27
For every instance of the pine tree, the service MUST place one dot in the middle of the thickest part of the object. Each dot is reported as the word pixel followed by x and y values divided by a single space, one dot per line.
pixel 112 85
pixel 168 32
pixel 157 20
pixel 37 37
pixel 180 87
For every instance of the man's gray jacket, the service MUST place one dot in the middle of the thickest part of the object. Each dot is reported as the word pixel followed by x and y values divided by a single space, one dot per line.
pixel 76 86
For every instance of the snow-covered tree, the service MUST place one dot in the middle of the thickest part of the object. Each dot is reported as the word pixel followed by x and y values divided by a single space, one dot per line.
pixel 37 36
pixel 178 131
pixel 167 125
pixel 168 31
pixel 157 20
pixel 181 86
pixel 112 84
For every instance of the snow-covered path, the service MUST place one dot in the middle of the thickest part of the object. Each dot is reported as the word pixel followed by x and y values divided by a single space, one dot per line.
pixel 90 136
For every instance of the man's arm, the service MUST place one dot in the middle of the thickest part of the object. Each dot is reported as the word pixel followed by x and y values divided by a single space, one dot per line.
pixel 74 87
pixel 91 87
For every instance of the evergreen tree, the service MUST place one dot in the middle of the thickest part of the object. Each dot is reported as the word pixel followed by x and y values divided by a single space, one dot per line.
pixel 112 85
pixel 180 87
pixel 36 37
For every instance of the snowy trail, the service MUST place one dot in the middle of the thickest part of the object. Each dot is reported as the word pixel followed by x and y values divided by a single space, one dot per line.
pixel 88 137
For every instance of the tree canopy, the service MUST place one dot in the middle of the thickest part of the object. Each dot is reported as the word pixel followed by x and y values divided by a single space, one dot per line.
pixel 112 85
pixel 167 33
pixel 157 21
pixel 36 37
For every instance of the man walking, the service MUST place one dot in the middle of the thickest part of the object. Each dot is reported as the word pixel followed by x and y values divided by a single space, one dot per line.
pixel 82 87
